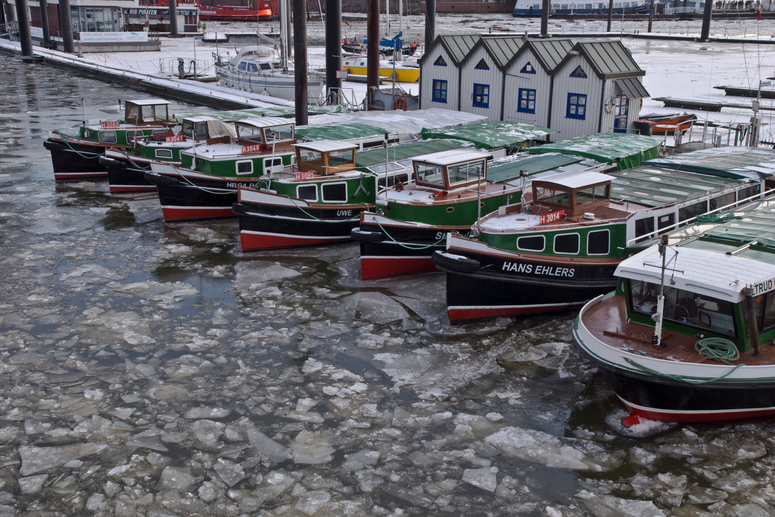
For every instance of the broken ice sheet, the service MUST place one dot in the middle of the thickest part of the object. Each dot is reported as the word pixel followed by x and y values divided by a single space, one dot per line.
pixel 41 459
pixel 165 294
pixel 257 273
pixel 376 307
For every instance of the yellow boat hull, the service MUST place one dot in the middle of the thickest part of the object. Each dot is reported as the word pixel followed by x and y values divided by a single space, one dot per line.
pixel 403 75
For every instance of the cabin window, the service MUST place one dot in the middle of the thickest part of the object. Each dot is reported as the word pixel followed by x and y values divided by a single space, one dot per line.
pixel 164 154
pixel 567 244
pixel 242 66
pixel 551 195
pixel 279 134
pixel 591 195
pixel 429 173
pixel 481 95
pixel 439 90
pixel 691 211
pixel 598 242
pixel 244 167
pixel 463 172
pixel 252 133
pixel 440 61
pixel 644 226
pixel 527 101
pixel 749 192
pixel 201 130
pixel 307 192
pixel 108 137
pixel 340 158
pixel 577 106
pixel 334 192
pixel 264 66
pixel 579 72
pixel 527 69
pixel 132 114
pixel 722 201
pixel 150 113
pixel 532 243
pixel 132 135
pixel 684 307
pixel 665 222
pixel 768 300
pixel 482 65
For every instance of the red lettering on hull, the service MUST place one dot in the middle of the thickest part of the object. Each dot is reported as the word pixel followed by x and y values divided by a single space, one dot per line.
pixel 384 267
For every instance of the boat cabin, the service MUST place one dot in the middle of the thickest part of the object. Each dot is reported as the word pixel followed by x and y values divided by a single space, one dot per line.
pixel 326 157
pixel 574 192
pixel 265 133
pixel 451 170
pixel 147 112
pixel 210 130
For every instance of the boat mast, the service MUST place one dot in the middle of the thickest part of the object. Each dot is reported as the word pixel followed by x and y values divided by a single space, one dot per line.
pixel 657 316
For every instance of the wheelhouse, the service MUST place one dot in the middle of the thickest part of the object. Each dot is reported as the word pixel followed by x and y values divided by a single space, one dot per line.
pixel 265 132
pixel 326 157
pixel 147 112
pixel 450 170
pixel 574 193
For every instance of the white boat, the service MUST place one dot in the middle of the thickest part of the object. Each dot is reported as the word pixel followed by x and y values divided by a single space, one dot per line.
pixel 569 7
pixel 261 70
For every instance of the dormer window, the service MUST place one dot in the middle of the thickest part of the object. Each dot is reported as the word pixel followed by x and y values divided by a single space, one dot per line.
pixel 440 61
pixel 482 65
pixel 528 69
pixel 579 72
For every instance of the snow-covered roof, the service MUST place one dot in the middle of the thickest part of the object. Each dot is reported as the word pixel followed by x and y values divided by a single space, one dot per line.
pixel 265 121
pixel 148 102
pixel 704 272
pixel 576 179
pixel 452 156
pixel 326 146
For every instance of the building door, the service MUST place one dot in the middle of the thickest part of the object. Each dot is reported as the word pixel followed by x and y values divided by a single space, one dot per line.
pixel 621 105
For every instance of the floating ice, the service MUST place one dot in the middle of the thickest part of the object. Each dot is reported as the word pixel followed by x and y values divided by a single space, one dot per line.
pixel 176 478
pixel 376 307
pixel 605 505
pixel 207 431
pixel 207 412
pixel 254 274
pixel 41 459
pixel 311 502
pixel 231 473
pixel 312 448
pixel 32 484
pixel 484 478
pixel 267 447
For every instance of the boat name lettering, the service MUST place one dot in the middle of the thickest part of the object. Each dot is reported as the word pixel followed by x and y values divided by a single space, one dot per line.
pixel 521 267
pixel 763 287
pixel 235 185
pixel 305 175
pixel 110 124
pixel 175 138
pixel 552 217
pixel 344 213
pixel 255 148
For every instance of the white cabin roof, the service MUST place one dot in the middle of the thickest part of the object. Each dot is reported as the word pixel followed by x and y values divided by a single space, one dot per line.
pixel 326 146
pixel 576 179
pixel 149 102
pixel 452 156
pixel 200 118
pixel 265 121
pixel 704 272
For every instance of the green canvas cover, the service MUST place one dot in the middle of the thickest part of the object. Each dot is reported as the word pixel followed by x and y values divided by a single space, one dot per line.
pixel 507 171
pixel 626 150
pixel 491 134
pixel 756 226
pixel 348 131
pixel 397 153
pixel 276 111
pixel 730 162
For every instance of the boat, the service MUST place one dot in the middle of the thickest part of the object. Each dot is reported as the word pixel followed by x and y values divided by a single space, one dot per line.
pixel 239 13
pixel 687 334
pixel 127 167
pixel 401 72
pixel 319 201
pixel 564 8
pixel 205 185
pixel 669 124
pixel 262 70
pixel 448 192
pixel 560 246
pixel 76 157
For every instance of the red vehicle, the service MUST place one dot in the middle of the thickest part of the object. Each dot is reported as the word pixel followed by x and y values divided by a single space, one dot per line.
pixel 265 10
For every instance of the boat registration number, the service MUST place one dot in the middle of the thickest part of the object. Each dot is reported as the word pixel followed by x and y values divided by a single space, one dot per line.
pixel 175 138
pixel 552 217
pixel 305 175
pixel 255 148
pixel 110 124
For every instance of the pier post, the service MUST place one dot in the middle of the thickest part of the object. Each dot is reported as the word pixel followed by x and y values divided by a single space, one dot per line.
pixel 25 38
pixel 67 26
pixel 372 48
pixel 652 7
pixel 300 60
pixel 610 14
pixel 173 4
pixel 430 24
pixel 44 23
pixel 706 21
pixel 546 5
pixel 333 49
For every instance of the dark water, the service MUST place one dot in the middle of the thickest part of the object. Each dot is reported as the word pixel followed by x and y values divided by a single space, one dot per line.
pixel 152 369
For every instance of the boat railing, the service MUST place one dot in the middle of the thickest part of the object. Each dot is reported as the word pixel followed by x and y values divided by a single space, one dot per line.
pixel 691 220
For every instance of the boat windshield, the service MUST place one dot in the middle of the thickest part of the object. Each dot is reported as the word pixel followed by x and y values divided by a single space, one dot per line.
pixel 194 129
pixel 429 173
pixel 592 194
pixel 279 133
pixel 551 195
pixel 684 307
pixel 465 172
pixel 247 132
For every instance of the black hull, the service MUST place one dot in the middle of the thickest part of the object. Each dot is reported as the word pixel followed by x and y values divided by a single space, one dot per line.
pixel 123 176
pixel 660 398
pixel 76 162
pixel 272 226
pixel 496 289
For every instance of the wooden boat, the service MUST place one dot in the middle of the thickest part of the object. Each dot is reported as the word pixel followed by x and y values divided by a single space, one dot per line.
pixel 560 247
pixel 205 185
pixel 399 71
pixel 448 193
pixel 76 157
pixel 127 167
pixel 668 124
pixel 687 335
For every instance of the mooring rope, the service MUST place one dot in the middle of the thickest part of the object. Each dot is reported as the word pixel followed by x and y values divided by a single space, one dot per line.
pixel 404 245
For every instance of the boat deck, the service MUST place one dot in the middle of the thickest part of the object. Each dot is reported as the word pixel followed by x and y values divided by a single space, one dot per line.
pixel 608 322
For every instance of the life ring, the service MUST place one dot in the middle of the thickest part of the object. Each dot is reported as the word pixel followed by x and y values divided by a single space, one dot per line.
pixel 609 105
pixel 400 104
